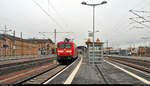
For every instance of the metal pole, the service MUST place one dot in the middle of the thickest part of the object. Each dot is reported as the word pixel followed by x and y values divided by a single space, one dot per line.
pixel 21 44
pixel 13 47
pixel 5 29
pixel 5 47
pixel 93 30
pixel 31 47
pixel 55 35
pixel 107 48
pixel 55 41
pixel 145 47
pixel 83 52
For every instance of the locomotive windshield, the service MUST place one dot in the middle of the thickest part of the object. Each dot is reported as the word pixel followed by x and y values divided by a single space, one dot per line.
pixel 68 46
pixel 63 45
pixel 60 45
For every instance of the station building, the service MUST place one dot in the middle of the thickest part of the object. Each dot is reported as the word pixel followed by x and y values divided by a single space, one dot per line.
pixel 15 46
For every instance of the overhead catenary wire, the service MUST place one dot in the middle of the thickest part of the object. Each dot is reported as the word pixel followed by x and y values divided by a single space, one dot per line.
pixel 53 8
pixel 139 22
pixel 47 14
pixel 51 5
pixel 139 4
pixel 119 24
pixel 141 11
pixel 144 20
pixel 139 15
pixel 48 5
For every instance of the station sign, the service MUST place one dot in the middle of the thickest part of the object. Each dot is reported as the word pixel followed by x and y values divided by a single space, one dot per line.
pixel 5 46
pixel 39 49
pixel 90 34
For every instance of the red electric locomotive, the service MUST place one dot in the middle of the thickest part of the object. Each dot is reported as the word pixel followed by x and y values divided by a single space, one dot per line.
pixel 66 51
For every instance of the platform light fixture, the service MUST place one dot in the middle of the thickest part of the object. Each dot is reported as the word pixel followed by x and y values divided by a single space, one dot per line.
pixel 93 5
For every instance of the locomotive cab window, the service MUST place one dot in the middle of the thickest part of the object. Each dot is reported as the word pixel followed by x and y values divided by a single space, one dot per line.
pixel 60 45
pixel 68 45
pixel 64 45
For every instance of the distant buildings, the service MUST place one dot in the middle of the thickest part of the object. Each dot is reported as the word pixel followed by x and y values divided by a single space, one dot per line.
pixel 15 46
pixel 144 51
pixel 140 51
pixel 82 49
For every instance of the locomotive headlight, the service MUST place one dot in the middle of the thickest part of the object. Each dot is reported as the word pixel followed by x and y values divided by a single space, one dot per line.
pixel 60 51
pixel 69 51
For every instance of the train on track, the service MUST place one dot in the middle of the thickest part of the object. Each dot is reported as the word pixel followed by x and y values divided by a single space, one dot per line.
pixel 66 51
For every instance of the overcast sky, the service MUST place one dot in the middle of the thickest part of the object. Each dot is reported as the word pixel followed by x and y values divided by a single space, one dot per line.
pixel 112 20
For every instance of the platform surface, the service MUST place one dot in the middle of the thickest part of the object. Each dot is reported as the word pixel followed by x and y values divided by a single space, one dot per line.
pixel 88 74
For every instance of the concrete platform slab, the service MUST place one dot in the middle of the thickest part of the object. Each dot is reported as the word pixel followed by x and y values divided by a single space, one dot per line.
pixel 88 74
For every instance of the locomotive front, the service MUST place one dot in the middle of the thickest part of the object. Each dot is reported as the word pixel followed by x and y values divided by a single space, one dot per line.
pixel 66 51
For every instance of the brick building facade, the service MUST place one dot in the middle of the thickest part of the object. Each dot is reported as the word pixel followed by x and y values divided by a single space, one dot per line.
pixel 14 46
pixel 144 51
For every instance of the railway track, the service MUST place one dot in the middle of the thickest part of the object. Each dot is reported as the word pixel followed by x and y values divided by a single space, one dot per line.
pixel 137 64
pixel 19 76
pixel 16 70
pixel 101 73
pixel 46 76
pixel 21 61
pixel 42 76
pixel 18 66
pixel 34 75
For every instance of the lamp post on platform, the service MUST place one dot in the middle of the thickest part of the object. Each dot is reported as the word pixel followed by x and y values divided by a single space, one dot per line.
pixel 94 5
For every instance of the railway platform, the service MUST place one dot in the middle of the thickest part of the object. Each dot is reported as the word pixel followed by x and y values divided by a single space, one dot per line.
pixel 87 74
pixel 81 72
pixel 108 73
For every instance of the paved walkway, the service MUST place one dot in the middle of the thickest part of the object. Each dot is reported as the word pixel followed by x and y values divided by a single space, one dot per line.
pixel 88 74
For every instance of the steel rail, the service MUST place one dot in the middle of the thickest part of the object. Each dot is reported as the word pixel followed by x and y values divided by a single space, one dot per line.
pixel 101 73
pixel 34 75
pixel 143 66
